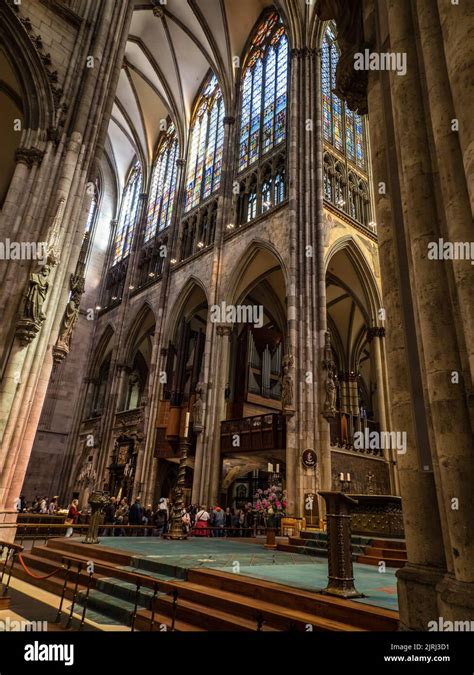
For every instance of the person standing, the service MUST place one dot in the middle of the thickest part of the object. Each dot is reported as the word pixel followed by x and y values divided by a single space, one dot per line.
pixel 161 518
pixel 72 516
pixel 109 517
pixel 122 515
pixel 219 518
pixel 135 515
pixel 148 519
pixel 228 522
pixel 201 527
pixel 186 520
pixel 53 506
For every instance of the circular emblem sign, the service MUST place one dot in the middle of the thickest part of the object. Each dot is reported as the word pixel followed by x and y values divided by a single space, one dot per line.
pixel 309 459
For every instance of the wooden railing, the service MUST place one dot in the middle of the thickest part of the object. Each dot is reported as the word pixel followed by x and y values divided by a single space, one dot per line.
pixel 342 429
pixel 261 432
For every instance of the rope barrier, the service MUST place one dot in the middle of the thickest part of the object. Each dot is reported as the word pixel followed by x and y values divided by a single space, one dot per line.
pixel 37 576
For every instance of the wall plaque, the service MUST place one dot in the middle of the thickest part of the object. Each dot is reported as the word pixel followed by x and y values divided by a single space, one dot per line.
pixel 309 459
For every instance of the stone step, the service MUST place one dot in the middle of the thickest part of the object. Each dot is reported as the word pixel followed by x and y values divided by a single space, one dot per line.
pixel 389 543
pixel 158 567
pixel 318 605
pixel 245 607
pixel 114 608
pixel 308 550
pixel 207 618
pixel 124 590
pixel 162 622
pixel 382 553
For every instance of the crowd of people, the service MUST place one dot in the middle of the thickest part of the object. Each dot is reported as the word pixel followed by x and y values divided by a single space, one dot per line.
pixel 120 518
pixel 195 520
pixel 44 505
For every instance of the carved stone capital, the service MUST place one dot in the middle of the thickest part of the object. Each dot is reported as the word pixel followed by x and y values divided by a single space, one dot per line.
pixel 375 331
pixel 29 156
pixel 27 330
pixel 228 119
pixel 224 329
pixel 158 10
pixel 180 162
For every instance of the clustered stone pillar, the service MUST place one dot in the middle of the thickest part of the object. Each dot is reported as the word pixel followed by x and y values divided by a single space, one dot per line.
pixel 59 157
pixel 426 339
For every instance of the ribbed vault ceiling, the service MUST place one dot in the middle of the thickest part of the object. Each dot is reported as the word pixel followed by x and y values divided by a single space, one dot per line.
pixel 167 56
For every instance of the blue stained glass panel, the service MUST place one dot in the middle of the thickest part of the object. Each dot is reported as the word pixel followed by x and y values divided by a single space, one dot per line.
pixel 350 146
pixel 360 149
pixel 127 217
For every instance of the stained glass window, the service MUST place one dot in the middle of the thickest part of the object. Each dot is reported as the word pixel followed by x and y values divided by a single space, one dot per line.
pixel 360 143
pixel 252 206
pixel 264 92
pixel 342 128
pixel 266 195
pixel 279 188
pixel 91 214
pixel 163 185
pixel 128 212
pixel 206 145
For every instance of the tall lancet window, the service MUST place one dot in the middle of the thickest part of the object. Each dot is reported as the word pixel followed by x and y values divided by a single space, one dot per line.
pixel 264 85
pixel 163 185
pixel 206 144
pixel 344 135
pixel 342 128
pixel 128 214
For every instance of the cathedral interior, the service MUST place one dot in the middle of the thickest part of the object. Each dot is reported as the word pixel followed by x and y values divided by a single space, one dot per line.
pixel 216 281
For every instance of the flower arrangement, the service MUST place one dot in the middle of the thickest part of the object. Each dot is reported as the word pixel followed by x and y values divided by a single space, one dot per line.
pixel 271 501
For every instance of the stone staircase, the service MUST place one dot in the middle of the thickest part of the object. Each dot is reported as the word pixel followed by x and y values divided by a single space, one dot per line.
pixel 208 599
pixel 367 550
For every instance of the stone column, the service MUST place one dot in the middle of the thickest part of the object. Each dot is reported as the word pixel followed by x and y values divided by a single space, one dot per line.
pixel 447 98
pixel 426 562
pixel 222 353
pixel 455 20
pixel 452 444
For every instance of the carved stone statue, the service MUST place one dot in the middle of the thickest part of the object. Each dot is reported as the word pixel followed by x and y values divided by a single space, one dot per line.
pixel 38 286
pixel 70 317
pixel 329 408
pixel 198 411
pixel 31 316
pixel 287 382
pixel 330 401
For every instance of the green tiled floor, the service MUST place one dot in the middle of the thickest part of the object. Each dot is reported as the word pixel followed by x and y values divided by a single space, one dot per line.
pixel 252 559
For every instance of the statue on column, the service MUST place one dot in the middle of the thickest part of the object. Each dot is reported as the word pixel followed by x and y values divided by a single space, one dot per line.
pixel 287 394
pixel 329 408
pixel 31 313
pixel 71 315
pixel 31 316
pixel 198 410
pixel 330 401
